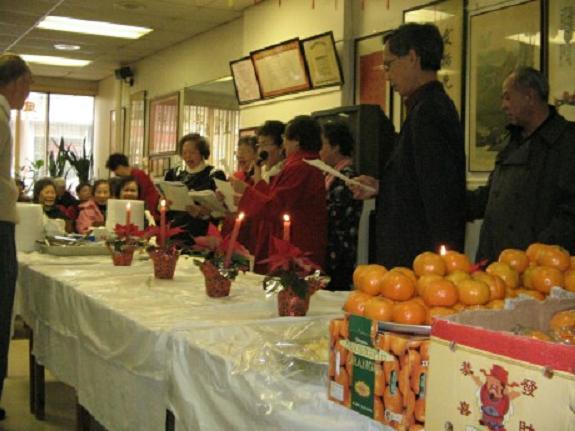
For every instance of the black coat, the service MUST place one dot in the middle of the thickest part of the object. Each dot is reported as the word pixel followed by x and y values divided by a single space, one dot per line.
pixel 421 202
pixel 530 195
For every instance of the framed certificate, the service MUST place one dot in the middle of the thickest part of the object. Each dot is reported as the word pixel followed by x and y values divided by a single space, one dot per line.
pixel 322 60
pixel 134 149
pixel 281 69
pixel 245 80
pixel 164 124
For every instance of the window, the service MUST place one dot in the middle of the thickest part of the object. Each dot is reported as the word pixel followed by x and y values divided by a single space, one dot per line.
pixel 46 119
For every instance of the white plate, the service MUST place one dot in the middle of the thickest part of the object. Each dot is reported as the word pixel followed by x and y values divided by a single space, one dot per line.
pixel 74 250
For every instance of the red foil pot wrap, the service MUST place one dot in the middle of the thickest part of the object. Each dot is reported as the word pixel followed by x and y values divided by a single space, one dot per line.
pixel 217 286
pixel 123 258
pixel 290 304
pixel 164 263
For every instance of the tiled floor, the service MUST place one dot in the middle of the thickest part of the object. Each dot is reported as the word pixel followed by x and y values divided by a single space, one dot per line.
pixel 60 399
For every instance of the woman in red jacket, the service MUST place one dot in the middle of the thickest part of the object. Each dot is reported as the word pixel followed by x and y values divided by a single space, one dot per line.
pixel 298 190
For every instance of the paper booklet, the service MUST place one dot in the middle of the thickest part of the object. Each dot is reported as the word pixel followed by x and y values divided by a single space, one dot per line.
pixel 177 193
pixel 317 163
pixel 226 189
pixel 180 197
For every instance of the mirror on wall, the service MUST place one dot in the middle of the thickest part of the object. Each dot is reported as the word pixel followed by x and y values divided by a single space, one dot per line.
pixel 211 109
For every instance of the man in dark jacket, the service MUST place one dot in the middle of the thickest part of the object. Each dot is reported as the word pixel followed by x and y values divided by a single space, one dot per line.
pixel 530 195
pixel 421 192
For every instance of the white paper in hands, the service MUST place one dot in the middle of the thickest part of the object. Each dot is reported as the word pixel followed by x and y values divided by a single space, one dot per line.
pixel 226 189
pixel 177 193
pixel 317 163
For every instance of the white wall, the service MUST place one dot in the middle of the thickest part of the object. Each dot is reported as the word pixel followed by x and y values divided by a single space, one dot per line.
pixel 108 99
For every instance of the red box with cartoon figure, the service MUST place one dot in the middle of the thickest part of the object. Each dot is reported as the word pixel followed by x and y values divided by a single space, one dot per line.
pixel 377 373
pixel 485 377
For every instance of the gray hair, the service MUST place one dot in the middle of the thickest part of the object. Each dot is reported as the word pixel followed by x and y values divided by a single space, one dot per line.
pixel 12 67
pixel 530 78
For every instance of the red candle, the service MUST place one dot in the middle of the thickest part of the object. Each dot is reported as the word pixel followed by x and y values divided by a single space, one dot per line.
pixel 128 213
pixel 233 239
pixel 287 223
pixel 163 223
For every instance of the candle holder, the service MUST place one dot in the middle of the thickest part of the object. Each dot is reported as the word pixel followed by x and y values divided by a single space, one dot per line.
pixel 290 278
pixel 123 243
pixel 164 260
pixel 223 261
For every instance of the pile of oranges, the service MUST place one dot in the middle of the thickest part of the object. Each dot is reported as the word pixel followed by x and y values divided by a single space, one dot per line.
pixel 440 285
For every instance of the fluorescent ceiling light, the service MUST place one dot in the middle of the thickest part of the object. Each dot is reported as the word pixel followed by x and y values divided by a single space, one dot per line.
pixel 100 28
pixel 534 38
pixel 426 15
pixel 66 47
pixel 54 61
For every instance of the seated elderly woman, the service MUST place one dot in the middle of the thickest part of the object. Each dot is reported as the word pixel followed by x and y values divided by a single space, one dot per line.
pixel 93 211
pixel 55 219
pixel 126 188
pixel 196 175
pixel 298 190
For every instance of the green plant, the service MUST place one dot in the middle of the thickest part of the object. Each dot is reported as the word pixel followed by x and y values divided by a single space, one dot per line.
pixel 82 165
pixel 57 162
pixel 31 172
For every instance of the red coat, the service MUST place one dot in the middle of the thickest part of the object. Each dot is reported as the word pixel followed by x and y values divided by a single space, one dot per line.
pixel 148 191
pixel 298 190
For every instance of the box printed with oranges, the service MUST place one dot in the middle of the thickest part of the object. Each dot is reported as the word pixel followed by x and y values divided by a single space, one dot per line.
pixel 486 374
pixel 381 375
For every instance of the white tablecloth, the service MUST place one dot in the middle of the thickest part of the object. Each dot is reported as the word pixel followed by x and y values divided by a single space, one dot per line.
pixel 122 338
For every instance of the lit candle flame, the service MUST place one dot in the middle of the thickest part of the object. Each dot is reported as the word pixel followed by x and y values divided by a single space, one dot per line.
pixel 128 206
pixel 286 217
pixel 442 250
pixel 241 216
pixel 163 203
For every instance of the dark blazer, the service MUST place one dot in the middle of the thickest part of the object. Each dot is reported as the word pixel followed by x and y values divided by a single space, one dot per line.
pixel 530 195
pixel 421 202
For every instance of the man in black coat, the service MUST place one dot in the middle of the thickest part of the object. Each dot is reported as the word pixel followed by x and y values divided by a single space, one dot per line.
pixel 530 195
pixel 421 192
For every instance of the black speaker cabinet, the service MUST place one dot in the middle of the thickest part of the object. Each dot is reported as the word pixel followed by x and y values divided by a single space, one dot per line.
pixel 373 133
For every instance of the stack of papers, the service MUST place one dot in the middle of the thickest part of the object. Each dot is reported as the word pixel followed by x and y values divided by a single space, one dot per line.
pixel 180 197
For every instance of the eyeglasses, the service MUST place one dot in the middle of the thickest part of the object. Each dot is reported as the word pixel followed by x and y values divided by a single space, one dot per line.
pixel 387 64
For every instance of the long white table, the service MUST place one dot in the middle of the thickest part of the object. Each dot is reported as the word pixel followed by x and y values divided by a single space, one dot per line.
pixel 133 346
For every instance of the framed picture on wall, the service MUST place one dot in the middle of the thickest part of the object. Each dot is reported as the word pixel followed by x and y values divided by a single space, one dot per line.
pixel 164 124
pixel 281 69
pixel 245 80
pixel 499 40
pixel 447 15
pixel 248 131
pixel 371 86
pixel 562 56
pixel 158 166
pixel 134 148
pixel 322 60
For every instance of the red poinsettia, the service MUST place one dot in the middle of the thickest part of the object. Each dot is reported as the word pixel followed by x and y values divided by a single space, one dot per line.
pixel 215 243
pixel 155 231
pixel 125 231
pixel 289 258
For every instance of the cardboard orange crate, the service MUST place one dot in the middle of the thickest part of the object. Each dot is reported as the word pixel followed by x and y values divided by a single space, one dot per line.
pixel 484 377
pixel 379 374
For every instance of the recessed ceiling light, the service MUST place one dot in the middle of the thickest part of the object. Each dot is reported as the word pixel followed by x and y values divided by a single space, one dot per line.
pixel 66 47
pixel 54 61
pixel 100 28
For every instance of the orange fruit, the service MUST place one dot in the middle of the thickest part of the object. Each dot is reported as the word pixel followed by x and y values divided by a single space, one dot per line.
pixel 457 276
pixel 406 271
pixel 379 308
pixel 370 279
pixel 535 294
pixel 440 293
pixel 454 260
pixel 569 280
pixel 458 307
pixel 545 277
pixel 527 277
pixel 516 259
pixel 563 326
pixel 473 292
pixel 534 250
pixel 496 304
pixel 510 293
pixel 475 307
pixel 355 303
pixel 397 286
pixel 555 257
pixel 507 274
pixel 360 270
pixel 410 313
pixel 439 312
pixel 572 264
pixel 539 335
pixel 495 283
pixel 424 280
pixel 429 263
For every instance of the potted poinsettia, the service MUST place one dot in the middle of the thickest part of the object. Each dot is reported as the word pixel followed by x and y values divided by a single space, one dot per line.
pixel 223 260
pixel 164 254
pixel 122 244
pixel 292 270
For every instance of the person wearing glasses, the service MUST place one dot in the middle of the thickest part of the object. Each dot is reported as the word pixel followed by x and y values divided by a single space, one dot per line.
pixel 421 189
